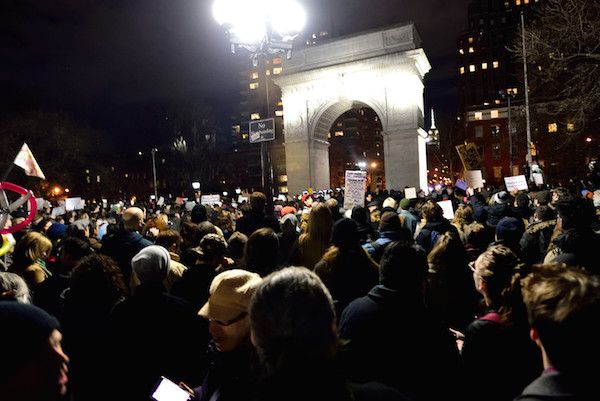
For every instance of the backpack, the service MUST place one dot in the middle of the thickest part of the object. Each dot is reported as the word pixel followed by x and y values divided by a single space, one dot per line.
pixel 434 236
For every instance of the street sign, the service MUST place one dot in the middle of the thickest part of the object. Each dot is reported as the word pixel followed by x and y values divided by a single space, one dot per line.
pixel 262 130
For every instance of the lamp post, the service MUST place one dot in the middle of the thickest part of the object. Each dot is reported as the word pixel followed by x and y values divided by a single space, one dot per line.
pixel 154 150
pixel 262 27
pixel 508 95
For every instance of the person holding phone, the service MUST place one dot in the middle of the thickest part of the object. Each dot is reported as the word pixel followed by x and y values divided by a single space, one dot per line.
pixel 232 366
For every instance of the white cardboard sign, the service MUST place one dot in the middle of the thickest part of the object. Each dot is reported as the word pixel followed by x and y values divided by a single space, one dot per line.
pixel 355 188
pixel 474 178
pixel 410 193
pixel 447 208
pixel 518 182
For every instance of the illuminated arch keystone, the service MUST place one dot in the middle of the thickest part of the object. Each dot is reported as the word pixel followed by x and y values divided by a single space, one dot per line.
pixel 382 69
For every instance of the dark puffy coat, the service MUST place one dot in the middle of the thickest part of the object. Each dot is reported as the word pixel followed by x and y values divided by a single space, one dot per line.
pixel 440 227
pixel 535 240
pixel 122 247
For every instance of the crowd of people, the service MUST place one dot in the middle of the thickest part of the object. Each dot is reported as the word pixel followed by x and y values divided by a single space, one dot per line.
pixel 386 301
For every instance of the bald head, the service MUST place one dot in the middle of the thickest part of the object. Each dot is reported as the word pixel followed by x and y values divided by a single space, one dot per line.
pixel 132 218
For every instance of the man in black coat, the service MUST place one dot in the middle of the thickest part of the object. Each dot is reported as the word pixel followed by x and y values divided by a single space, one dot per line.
pixel 392 337
pixel 127 241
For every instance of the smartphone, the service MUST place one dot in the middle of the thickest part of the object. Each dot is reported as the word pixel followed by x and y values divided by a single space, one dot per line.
pixel 166 390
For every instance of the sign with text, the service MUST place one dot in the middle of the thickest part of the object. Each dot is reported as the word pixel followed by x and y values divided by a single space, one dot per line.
pixel 518 182
pixel 74 204
pixel 262 130
pixel 469 155
pixel 355 188
pixel 474 179
pixel 447 209
pixel 410 193
pixel 461 184
pixel 211 200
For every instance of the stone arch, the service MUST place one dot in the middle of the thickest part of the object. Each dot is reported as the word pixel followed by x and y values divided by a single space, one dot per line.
pixel 381 69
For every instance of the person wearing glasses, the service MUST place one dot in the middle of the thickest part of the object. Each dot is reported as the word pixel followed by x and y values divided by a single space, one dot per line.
pixel 231 373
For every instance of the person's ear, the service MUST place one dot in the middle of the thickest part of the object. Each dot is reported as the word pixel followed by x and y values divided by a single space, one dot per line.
pixel 252 340
pixel 482 286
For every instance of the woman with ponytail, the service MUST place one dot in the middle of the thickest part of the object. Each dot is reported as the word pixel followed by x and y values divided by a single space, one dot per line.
pixel 499 357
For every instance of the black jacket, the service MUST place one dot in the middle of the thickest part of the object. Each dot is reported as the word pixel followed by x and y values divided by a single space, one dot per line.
pixel 122 246
pixel 535 240
pixel 440 227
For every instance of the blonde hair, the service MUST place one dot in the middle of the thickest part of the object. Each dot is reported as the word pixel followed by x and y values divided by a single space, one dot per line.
pixel 315 242
pixel 30 248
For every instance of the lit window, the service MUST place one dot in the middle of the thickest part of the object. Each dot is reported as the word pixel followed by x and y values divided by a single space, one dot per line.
pixel 253 85
pixel 471 40
pixel 570 127
pixel 526 1
pixel 472 68
pixel 328 135
pixel 495 64
pixel 506 4
pixel 98 178
pixel 497 101
pixel 479 131
pixel 277 70
pixel 254 75
pixel 461 51
pixel 484 66
pixel 462 70
pixel 496 151
pixel 283 190
pixel 339 124
pixel 268 72
pixel 479 115
pixel 282 178
pixel 552 127
pixel 244 136
pixel 494 113
pixel 255 116
pixel 339 133
pixel 279 113
pixel 518 2
pixel 471 50
pixel 277 60
pixel 486 103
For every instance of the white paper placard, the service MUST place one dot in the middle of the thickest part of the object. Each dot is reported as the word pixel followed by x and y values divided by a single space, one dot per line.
pixel 518 182
pixel 210 200
pixel 73 204
pixel 447 208
pixel 355 188
pixel 538 179
pixel 161 201
pixel 57 211
pixel 474 178
pixel 40 202
pixel 410 193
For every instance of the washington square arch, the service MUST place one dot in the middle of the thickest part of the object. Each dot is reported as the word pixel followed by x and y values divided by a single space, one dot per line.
pixel 381 69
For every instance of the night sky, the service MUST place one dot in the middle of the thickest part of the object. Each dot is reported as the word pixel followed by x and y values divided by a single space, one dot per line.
pixel 113 64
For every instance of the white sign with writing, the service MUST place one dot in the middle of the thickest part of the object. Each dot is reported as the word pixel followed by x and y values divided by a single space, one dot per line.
pixel 211 200
pixel 447 208
pixel 517 182
pixel 410 193
pixel 74 204
pixel 538 178
pixel 474 178
pixel 355 188
pixel 57 211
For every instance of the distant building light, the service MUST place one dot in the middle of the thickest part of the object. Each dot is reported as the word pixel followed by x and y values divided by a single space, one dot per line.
pixel 472 68
pixel 478 115
pixel 494 113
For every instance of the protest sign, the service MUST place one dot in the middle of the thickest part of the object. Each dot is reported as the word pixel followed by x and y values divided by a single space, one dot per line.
pixel 73 204
pixel 447 209
pixel 469 155
pixel 461 184
pixel 211 200
pixel 474 179
pixel 355 188
pixel 517 182
pixel 410 193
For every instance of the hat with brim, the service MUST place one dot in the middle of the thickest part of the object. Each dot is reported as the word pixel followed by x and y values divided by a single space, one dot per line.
pixel 230 293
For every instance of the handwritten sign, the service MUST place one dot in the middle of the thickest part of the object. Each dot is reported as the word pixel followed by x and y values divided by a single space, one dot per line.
pixel 355 188
pixel 474 179
pixel 461 184
pixel 469 155
pixel 517 182
pixel 410 193
pixel 211 200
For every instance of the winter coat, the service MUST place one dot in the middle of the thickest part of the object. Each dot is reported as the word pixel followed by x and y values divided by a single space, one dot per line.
pixel 432 230
pixel 535 240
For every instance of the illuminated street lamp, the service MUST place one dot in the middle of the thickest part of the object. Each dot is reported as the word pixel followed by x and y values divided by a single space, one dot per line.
pixel 262 27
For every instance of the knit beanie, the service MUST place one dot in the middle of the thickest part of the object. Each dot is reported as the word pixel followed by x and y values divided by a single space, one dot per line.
pixel 24 329
pixel 151 264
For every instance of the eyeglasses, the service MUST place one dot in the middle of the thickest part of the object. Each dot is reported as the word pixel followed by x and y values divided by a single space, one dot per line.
pixel 229 322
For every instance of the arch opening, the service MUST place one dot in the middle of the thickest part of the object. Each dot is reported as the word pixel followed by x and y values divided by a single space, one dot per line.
pixel 356 143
